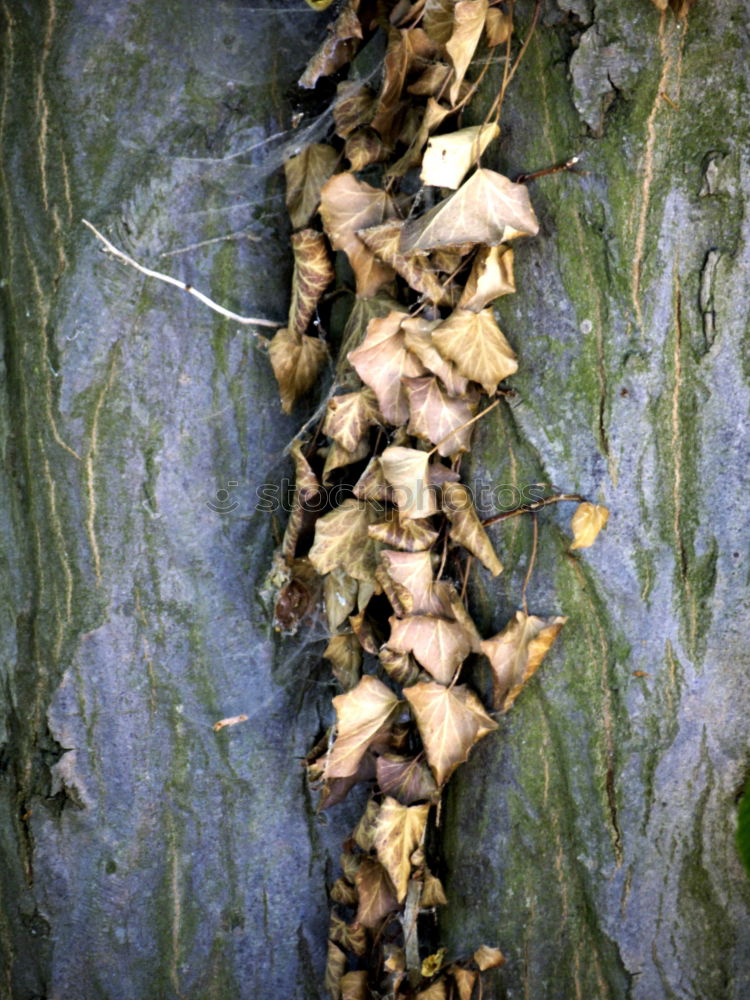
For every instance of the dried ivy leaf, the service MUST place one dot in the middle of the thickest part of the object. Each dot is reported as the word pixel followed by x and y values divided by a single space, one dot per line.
pixel 342 42
pixel 488 958
pixel 400 666
pixel 364 832
pixel 355 106
pixel 306 485
pixel 586 523
pixel 382 361
pixel 406 470
pixel 491 276
pixel 362 312
pixel 438 19
pixel 348 417
pixel 313 273
pixel 498 26
pixel 372 485
pixel 432 81
pixel 407 779
pixel 342 541
pixel 516 653
pixel 335 790
pixel 335 965
pixel 448 158
pixel 412 535
pixel 365 632
pixel 416 271
pixel 399 829
pixel 296 360
pixel 435 991
pixel 339 594
pixel 439 418
pixel 353 937
pixel 354 986
pixel 407 48
pixel 345 655
pixel 466 528
pixel 433 116
pixel 338 458
pixel 418 339
pixel 487 209
pixel 468 23
pixel 433 893
pixel 362 715
pixel 342 892
pixel 346 205
pixel 478 347
pixel 377 896
pixel 450 722
pixel 364 147
pixel 439 645
pixel 305 176
pixel 465 980
pixel 411 575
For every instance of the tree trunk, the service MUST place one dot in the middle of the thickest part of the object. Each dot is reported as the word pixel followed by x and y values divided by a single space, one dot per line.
pixel 145 855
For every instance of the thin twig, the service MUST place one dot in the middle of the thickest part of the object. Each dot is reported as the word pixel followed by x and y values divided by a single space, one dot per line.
pixel 120 255
pixel 568 165
pixel 530 508
pixel 532 560
pixel 463 426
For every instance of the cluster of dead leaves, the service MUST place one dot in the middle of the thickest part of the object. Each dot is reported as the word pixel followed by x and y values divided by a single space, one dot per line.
pixel 422 345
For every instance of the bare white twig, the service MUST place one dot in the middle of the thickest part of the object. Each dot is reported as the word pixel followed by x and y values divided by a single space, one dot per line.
pixel 244 320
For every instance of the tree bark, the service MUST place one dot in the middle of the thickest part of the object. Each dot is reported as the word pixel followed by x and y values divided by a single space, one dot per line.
pixel 145 855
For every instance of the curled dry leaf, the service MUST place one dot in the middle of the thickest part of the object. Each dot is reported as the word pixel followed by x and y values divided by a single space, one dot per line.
pixel 407 779
pixel 439 418
pixel 354 986
pixel 488 958
pixel 313 273
pixel 516 653
pixel 498 26
pixel 377 896
pixel 448 158
pixel 478 347
pixel 491 276
pixel 407 48
pixel 341 43
pixel 372 485
pixel 342 892
pixel 411 575
pixel 355 106
pixel 586 523
pixel 418 339
pixel 348 417
pixel 433 963
pixel 347 205
pixel 400 667
pixel 411 535
pixel 296 360
pixel 363 629
pixel 342 541
pixel 364 832
pixel 399 829
pixel 432 81
pixel 487 209
pixel 335 965
pixel 382 361
pixel 433 893
pixel 362 715
pixel 406 471
pixel 465 980
pixel 450 722
pixel 352 936
pixel 338 457
pixel 433 116
pixel 466 528
pixel 335 790
pixel 468 23
pixel 416 271
pixel 364 147
pixel 340 595
pixel 345 656
pixel 306 174
pixel 306 484
pixel 439 645
pixel 231 721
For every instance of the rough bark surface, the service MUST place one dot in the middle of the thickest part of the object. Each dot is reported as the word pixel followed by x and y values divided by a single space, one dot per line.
pixel 144 855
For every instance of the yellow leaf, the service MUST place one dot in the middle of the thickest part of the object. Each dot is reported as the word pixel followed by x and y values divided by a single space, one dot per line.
pixel 439 418
pixel 468 22
pixel 342 541
pixel 305 176
pixel 586 523
pixel 448 158
pixel 313 273
pixel 411 575
pixel 465 980
pixel 418 339
pixel 433 893
pixel 362 715
pixel 466 528
pixel 439 645
pixel 296 360
pixel 382 361
pixel 491 276
pixel 450 722
pixel 497 27
pixel 516 653
pixel 488 958
pixel 488 208
pixel 398 831
pixel 338 48
pixel 406 471
pixel 478 347
pixel 377 897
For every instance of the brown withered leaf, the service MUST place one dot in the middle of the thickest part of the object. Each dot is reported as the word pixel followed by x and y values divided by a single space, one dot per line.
pixel 364 147
pixel 498 27
pixel 411 575
pixel 466 528
pixel 390 590
pixel 340 595
pixel 382 360
pixel 439 645
pixel 372 485
pixel 342 41
pixel 435 991
pixel 346 205
pixel 305 176
pixel 477 346
pixel 399 829
pixel 349 864
pixel 306 484
pixel 488 958
pixel 487 209
pixel 416 271
pixel 355 106
pixel 432 81
pixel 354 986
pixel 377 896
pixel 407 48
pixel 364 832
pixel 468 23
pixel 344 893
pixel 465 980
pixel 342 541
pixel 411 535
pixel 364 630
pixel 335 790
pixel 338 458
pixel 433 893
pixel 362 311
pixel 335 965
pixel 400 666
pixel 362 715
pixel 438 19
pixel 516 653
pixel 439 418
pixel 433 116
pixel 491 276
pixel 345 656
pixel 407 779
pixel 348 417
pixel 406 470
pixel 418 339
pixel 448 158
pixel 459 612
pixel 353 937
pixel 313 273
pixel 450 722
pixel 586 523
pixel 296 360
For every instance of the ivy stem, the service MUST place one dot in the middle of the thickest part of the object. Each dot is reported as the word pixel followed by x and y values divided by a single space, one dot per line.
pixel 531 508
pixel 532 560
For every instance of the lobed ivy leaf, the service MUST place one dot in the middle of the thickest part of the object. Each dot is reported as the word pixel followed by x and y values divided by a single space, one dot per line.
pixel 377 896
pixel 477 346
pixel 586 523
pixel 438 644
pixel 382 360
pixel 296 360
pixel 399 829
pixel 306 174
pixel 468 23
pixel 313 273
pixel 491 276
pixel 516 653
pixel 362 715
pixel 466 528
